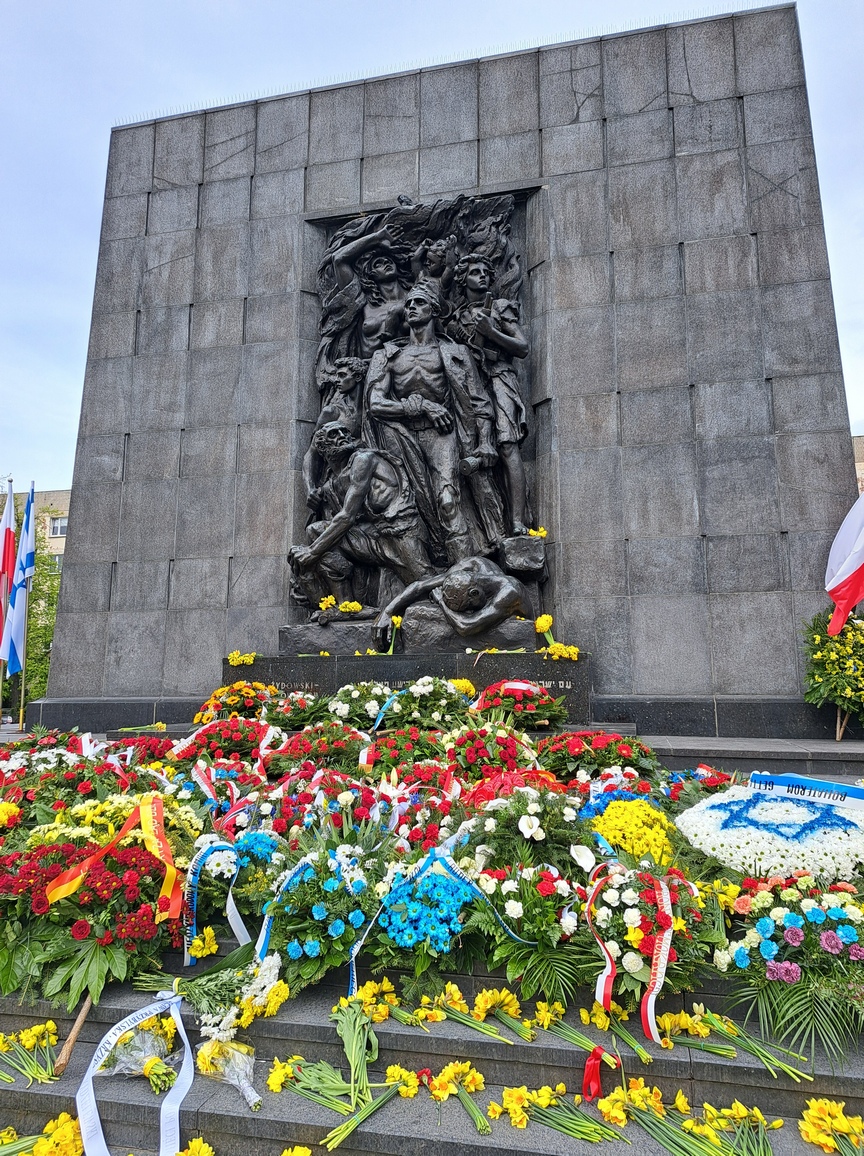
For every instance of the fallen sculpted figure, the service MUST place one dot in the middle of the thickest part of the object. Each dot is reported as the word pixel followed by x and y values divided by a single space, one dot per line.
pixel 474 595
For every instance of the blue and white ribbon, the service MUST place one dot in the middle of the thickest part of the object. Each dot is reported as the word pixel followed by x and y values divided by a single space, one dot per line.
pixel 190 895
pixel 287 883
pixel 812 790
pixel 92 1136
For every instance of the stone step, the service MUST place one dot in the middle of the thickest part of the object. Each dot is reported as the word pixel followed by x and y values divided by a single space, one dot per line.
pixel 822 758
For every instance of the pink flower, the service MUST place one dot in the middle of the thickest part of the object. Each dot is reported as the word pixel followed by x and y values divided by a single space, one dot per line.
pixel 791 972
pixel 794 935
pixel 832 942
pixel 856 951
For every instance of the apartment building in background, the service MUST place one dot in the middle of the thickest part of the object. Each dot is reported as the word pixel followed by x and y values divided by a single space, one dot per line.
pixel 52 512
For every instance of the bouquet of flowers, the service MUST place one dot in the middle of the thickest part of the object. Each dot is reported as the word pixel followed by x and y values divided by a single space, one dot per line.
pixel 221 739
pixel 239 700
pixel 528 826
pixel 231 1062
pixel 421 918
pixel 329 744
pixel 296 710
pixel 477 752
pixel 402 748
pixel 514 701
pixel 145 1051
pixel 359 703
pixel 428 702
pixel 594 751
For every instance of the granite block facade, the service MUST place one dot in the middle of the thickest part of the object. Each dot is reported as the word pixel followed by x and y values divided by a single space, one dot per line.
pixel 690 449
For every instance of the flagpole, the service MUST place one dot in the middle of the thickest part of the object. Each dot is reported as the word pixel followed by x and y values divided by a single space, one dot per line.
pixel 24 655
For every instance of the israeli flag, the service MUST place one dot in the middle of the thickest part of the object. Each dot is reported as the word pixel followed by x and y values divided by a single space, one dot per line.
pixel 15 626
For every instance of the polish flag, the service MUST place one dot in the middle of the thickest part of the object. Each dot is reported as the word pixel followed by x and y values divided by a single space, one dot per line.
pixel 844 577
pixel 7 552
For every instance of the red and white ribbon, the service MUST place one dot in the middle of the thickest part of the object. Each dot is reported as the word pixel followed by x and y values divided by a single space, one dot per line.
pixel 659 963
pixel 600 876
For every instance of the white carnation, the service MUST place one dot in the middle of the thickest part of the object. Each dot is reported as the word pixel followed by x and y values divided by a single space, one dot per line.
pixel 631 962
pixel 513 909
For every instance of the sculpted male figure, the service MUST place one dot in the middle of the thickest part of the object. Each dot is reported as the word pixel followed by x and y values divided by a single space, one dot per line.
pixel 426 406
pixel 473 594
pixel 370 518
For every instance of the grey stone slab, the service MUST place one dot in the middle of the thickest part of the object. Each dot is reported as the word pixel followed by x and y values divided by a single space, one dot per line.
pixel 666 566
pixel 271 318
pixel 99 458
pixel 199 583
pixel 539 329
pixel 509 158
pixel 671 644
pixel 753 643
pixel 330 185
pixel 807 404
pixel 223 202
pixel 107 391
pixel 263 507
pixel 306 398
pixel 732 409
pixel 272 265
pixel 710 127
pixel 169 265
pixel 646 273
pixel 308 317
pixel 229 143
pixel 173 209
pixel 216 323
pixel 78 653
pixel 793 255
pixel 536 296
pixel 719 263
pixel 262 447
pixel 783 187
pixel 205 517
pixel 391 118
pixel 253 627
pixel 577 207
pixel 816 480
pixel 336 124
pixel 222 262
pixel 701 62
pixel 577 281
pixel 214 383
pixel 589 421
pixel 147 526
pixel 282 136
pixel 163 329
pixel 276 194
pixel 84 586
pixel 642 205
pixel 194 649
pixel 650 343
pixel 779 115
pixel 448 168
pixel 641 136
pixel 724 336
pixel 267 377
pixel 159 387
pixel 581 351
pixel 634 72
pixel 745 562
pixel 118 275
pixel 572 148
pixel 178 157
pixel 112 335
pixel 130 161
pixel 592 481
pixel 124 217
pixel 448 104
pixel 208 451
pixel 152 454
pixel 738 485
pixel 656 416
pixel 799 327
pixel 660 491
pixel 508 96
pixel 260 580
pixel 140 585
pixel 387 175
pixel 601 626
pixel 96 506
pixel 571 84
pixel 712 195
pixel 595 567
pixel 767 50
pixel 808 556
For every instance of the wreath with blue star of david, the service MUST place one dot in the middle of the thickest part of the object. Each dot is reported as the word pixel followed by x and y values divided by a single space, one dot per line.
pixel 738 813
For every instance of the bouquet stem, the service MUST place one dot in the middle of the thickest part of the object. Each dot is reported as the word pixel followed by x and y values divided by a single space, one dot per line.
pixel 343 1131
pixel 469 1022
pixel 572 1036
pixel 523 1032
pixel 480 1122
pixel 571 1121
pixel 739 1038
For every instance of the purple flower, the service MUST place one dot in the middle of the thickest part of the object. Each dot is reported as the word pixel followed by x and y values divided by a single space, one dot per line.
pixel 773 970
pixel 831 941
pixel 791 972
pixel 793 935
pixel 856 951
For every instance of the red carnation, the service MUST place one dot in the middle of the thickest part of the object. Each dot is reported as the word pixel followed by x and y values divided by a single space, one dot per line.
pixel 163 903
pixel 80 929
pixel 58 806
pixel 84 788
pixel 664 920
pixel 546 888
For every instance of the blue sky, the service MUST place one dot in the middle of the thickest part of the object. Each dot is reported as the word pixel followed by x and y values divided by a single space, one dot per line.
pixel 69 71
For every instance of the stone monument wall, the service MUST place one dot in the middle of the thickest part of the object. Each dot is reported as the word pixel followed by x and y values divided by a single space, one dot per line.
pixel 689 452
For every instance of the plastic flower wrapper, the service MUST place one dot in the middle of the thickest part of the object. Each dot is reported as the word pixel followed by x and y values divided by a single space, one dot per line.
pixel 547 1106
pixel 146 1051
pixel 231 1062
